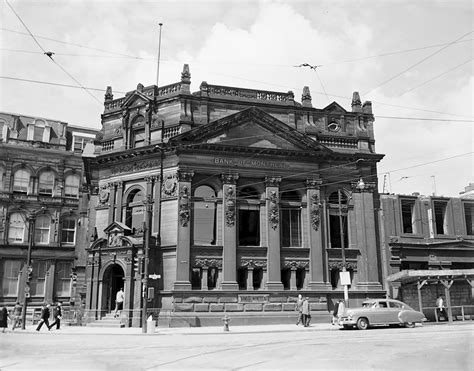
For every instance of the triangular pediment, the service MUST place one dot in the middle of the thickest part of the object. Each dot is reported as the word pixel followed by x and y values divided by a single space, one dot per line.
pixel 117 227
pixel 251 128
pixel 334 107
pixel 135 99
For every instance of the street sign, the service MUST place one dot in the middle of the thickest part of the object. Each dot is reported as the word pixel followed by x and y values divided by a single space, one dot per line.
pixel 345 278
pixel 154 276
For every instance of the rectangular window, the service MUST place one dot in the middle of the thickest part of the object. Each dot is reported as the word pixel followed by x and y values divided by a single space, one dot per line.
pixel 46 183
pixel 408 216
pixel 440 217
pixel 68 231
pixel 62 279
pixel 9 273
pixel 80 143
pixel 335 231
pixel 39 278
pixel 16 228
pixel 249 227
pixel 21 181
pixel 469 217
pixel 42 226
pixel 291 227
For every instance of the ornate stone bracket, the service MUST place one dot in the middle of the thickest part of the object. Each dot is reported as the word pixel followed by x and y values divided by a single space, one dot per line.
pixel 315 211
pixel 184 208
pixel 206 263
pixel 169 186
pixel 253 263
pixel 273 212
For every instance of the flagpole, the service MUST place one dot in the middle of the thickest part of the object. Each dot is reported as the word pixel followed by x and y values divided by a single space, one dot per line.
pixel 159 52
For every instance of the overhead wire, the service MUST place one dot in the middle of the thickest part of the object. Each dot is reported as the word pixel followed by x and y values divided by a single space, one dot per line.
pixel 49 54
pixel 418 63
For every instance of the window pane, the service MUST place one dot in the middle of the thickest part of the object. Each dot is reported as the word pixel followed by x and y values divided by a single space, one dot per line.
pixel 39 278
pixel 42 229
pixel 68 230
pixel 46 183
pixel 71 187
pixel 62 281
pixel 9 272
pixel 408 217
pixel 204 218
pixel 291 227
pixel 16 228
pixel 440 217
pixel 21 180
pixel 469 215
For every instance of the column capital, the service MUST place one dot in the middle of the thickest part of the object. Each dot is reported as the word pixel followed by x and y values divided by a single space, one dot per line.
pixel 184 176
pixel 272 181
pixel 118 184
pixel 313 183
pixel 229 178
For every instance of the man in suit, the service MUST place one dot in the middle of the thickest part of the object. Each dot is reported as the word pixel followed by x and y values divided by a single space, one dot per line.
pixel 45 313
pixel 57 314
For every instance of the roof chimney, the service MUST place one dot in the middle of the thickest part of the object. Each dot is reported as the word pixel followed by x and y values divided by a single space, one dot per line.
pixel 306 97
pixel 356 103
pixel 108 94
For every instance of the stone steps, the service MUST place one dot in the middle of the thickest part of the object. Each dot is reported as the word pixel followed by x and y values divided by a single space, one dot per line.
pixel 107 321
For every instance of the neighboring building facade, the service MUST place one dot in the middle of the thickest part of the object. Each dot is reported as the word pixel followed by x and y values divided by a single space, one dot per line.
pixel 249 198
pixel 41 176
pixel 422 233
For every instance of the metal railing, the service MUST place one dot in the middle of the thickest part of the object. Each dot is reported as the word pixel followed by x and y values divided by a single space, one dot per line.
pixel 462 311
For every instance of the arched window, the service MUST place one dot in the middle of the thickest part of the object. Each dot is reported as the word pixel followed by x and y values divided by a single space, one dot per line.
pixel 71 186
pixel 290 206
pixel 16 228
pixel 135 211
pixel 249 217
pixel 21 181
pixel 46 183
pixel 42 225
pixel 204 218
pixel 68 231
pixel 339 236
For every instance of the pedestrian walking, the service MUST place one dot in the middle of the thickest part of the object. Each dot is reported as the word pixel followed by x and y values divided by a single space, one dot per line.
pixel 334 312
pixel 45 313
pixel 305 312
pixel 3 318
pixel 16 315
pixel 119 298
pixel 299 308
pixel 57 314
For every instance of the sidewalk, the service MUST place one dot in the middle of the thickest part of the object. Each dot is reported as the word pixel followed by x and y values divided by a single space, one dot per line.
pixel 199 330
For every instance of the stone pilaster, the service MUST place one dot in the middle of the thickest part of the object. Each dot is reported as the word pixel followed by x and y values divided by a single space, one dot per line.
pixel 119 197
pixel 273 232
pixel 364 215
pixel 229 263
pixel 315 227
pixel 184 231
pixel 111 203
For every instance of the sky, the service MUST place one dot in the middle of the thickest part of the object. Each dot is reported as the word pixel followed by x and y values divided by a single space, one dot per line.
pixel 413 59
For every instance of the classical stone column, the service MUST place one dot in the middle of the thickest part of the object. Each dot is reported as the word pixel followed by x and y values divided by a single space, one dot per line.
pixel 273 232
pixel 364 215
pixel 111 202
pixel 183 247
pixel 250 278
pixel 314 228
pixel 118 216
pixel 205 271
pixel 229 251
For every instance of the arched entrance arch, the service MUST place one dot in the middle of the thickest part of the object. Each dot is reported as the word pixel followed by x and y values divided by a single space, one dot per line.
pixel 112 281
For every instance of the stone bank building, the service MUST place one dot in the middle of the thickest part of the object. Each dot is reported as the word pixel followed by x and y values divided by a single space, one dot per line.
pixel 244 198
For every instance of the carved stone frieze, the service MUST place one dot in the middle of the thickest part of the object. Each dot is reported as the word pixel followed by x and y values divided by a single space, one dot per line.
pixel 136 166
pixel 253 263
pixel 272 181
pixel 315 213
pixel 185 176
pixel 229 202
pixel 206 263
pixel 313 183
pixel 297 264
pixel 273 212
pixel 339 265
pixel 229 178
pixel 184 206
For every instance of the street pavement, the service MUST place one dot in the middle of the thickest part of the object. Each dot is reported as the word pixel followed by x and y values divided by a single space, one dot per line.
pixel 277 347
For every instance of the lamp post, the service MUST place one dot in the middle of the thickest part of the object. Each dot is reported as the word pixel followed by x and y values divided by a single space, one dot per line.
pixel 31 236
pixel 146 243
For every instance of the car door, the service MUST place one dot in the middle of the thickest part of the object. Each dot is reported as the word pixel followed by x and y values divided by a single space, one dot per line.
pixel 394 309
pixel 379 313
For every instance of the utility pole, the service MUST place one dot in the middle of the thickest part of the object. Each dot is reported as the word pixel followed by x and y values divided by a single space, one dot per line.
pixel 146 243
pixel 343 251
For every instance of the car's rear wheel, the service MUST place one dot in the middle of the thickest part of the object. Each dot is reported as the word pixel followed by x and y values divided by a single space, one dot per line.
pixel 410 324
pixel 362 323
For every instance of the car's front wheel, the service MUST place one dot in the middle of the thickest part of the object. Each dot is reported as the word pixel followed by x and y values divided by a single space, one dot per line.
pixel 362 323
pixel 410 324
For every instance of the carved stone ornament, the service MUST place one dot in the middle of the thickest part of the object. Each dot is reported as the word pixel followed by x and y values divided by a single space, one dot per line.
pixel 185 176
pixel 338 265
pixel 230 207
pixel 114 240
pixel 206 263
pixel 104 193
pixel 184 209
pixel 253 263
pixel 313 183
pixel 272 181
pixel 273 213
pixel 297 264
pixel 315 211
pixel 170 185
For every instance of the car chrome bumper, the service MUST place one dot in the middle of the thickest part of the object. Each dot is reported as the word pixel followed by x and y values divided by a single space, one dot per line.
pixel 346 321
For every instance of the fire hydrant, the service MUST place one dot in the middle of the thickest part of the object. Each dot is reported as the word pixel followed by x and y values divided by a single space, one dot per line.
pixel 226 321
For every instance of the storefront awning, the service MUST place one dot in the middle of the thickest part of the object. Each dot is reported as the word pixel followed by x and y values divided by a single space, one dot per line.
pixel 430 275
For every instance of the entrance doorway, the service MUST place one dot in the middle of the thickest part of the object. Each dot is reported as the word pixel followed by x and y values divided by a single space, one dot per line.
pixel 113 281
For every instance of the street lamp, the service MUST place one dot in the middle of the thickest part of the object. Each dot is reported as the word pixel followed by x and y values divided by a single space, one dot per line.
pixel 31 236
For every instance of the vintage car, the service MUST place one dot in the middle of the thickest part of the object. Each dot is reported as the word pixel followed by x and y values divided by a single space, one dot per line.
pixel 380 312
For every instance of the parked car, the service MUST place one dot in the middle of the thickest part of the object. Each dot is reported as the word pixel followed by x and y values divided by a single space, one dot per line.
pixel 381 312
